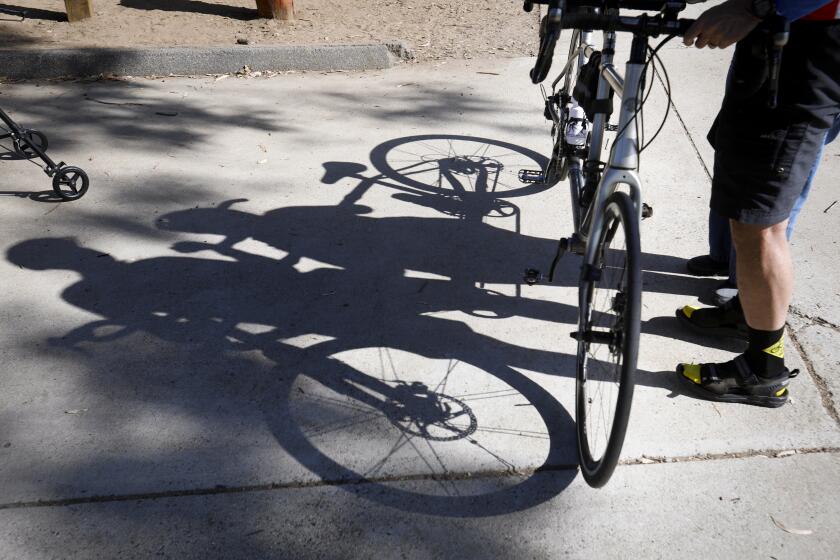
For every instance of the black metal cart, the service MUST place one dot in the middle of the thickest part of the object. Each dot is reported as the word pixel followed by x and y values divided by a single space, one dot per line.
pixel 69 182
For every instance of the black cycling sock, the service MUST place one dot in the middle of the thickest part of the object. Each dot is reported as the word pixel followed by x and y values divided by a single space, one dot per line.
pixel 728 313
pixel 766 352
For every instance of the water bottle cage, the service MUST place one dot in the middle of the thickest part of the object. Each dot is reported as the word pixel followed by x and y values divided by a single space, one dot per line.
pixel 586 89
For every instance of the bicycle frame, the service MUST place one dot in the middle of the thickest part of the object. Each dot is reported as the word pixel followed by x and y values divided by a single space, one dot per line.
pixel 623 164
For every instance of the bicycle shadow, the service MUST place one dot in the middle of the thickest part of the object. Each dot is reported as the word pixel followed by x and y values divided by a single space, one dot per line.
pixel 359 283
pixel 341 329
pixel 445 173
pixel 362 300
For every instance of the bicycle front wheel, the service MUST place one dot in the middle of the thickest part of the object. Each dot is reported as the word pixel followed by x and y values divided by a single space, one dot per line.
pixel 608 340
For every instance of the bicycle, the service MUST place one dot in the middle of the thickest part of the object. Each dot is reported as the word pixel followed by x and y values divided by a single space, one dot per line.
pixel 606 197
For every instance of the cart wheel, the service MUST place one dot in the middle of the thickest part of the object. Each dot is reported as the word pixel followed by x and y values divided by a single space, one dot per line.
pixel 23 145
pixel 70 183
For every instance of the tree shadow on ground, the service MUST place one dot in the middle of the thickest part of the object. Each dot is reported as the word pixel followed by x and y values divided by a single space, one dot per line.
pixel 12 38
pixel 134 114
pixel 33 13
pixel 195 6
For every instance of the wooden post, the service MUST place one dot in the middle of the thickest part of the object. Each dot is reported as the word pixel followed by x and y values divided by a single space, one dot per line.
pixel 276 9
pixel 78 10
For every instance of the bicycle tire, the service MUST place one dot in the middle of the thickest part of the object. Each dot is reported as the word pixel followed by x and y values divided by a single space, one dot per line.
pixel 619 212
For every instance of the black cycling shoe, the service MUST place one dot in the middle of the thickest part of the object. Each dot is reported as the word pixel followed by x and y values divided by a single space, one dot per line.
pixel 705 265
pixel 734 382
pixel 724 321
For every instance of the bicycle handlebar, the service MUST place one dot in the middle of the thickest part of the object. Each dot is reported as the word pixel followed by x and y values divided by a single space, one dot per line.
pixel 647 5
pixel 643 24
pixel 663 23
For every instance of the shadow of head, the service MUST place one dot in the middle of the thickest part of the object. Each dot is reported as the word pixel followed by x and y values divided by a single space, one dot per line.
pixel 55 253
pixel 334 171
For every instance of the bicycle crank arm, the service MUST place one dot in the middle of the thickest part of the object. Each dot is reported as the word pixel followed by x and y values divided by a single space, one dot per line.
pixel 573 244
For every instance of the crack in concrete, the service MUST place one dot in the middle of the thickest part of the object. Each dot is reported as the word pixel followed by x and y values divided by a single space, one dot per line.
pixel 448 476
pixel 819 381
pixel 814 320
pixel 220 489
pixel 752 453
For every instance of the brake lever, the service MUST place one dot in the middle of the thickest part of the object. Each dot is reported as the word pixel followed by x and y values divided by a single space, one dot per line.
pixel 779 28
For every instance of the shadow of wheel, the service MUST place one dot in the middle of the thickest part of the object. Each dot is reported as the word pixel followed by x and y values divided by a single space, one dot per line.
pixel 402 420
pixel 453 165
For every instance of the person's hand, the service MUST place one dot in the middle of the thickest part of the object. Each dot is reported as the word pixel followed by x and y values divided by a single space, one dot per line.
pixel 722 25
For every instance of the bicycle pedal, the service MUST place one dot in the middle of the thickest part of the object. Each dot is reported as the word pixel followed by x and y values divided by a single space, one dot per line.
pixel 531 176
pixel 532 276
pixel 647 211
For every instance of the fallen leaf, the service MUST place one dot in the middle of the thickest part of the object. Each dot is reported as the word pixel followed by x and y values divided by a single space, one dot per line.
pixel 76 411
pixel 786 453
pixel 781 526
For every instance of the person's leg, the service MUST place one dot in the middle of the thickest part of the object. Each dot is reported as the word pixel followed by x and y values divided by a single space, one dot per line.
pixel 797 207
pixel 729 289
pixel 759 199
pixel 765 282
pixel 716 262
pixel 720 237
pixel 830 136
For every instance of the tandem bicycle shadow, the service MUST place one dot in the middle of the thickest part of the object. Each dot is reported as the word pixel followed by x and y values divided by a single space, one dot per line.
pixel 369 325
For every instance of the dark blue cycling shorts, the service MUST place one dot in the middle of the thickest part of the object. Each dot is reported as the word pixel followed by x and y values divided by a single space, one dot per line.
pixel 763 156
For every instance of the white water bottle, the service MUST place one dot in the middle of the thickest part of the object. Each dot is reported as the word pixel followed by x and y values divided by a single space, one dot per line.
pixel 576 132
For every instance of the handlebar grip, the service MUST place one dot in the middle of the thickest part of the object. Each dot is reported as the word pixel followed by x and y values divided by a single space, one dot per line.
pixel 652 26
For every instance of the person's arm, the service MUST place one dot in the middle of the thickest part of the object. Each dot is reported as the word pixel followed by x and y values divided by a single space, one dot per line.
pixel 728 23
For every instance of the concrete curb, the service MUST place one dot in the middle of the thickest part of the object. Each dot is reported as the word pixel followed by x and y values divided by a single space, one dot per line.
pixel 56 63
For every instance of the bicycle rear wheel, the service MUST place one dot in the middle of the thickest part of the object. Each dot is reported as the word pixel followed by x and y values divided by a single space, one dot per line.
pixel 608 340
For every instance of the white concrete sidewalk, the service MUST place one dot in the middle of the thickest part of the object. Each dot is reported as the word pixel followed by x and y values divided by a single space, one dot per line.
pixel 250 310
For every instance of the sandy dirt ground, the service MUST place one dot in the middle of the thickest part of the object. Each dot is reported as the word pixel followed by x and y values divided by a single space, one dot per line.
pixel 435 29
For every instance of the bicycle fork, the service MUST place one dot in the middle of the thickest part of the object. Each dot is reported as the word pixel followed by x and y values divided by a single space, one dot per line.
pixel 621 169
